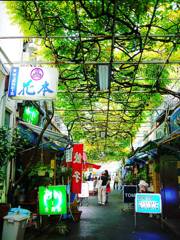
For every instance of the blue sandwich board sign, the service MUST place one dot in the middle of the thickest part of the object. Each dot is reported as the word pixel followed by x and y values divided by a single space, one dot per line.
pixel 148 203
pixel 129 192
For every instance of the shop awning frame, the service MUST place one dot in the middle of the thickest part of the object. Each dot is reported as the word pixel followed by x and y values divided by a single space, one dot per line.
pixel 54 141
pixel 143 154
pixel 55 136
pixel 87 165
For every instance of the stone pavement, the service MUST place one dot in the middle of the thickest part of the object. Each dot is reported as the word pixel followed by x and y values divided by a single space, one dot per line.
pixel 114 221
pixel 173 225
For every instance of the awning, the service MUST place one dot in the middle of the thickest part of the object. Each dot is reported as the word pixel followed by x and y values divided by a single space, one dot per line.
pixel 166 145
pixel 148 146
pixel 172 138
pixel 87 165
pixel 141 158
pixel 170 145
pixel 55 136
pixel 130 161
pixel 135 160
pixel 51 140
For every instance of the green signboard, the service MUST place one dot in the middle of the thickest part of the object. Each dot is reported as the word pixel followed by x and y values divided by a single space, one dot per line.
pixel 52 200
pixel 31 115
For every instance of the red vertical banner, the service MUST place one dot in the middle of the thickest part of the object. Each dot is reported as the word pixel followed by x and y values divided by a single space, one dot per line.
pixel 77 156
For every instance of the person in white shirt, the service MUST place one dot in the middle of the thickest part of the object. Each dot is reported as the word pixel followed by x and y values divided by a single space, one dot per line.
pixel 116 182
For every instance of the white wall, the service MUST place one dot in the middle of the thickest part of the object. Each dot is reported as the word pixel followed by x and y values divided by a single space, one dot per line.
pixel 12 47
pixel 9 49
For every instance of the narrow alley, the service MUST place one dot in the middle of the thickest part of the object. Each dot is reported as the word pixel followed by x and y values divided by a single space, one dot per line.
pixel 113 221
pixel 89 106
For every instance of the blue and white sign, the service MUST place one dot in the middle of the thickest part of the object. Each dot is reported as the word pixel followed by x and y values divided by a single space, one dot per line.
pixel 148 203
pixel 33 83
pixel 69 154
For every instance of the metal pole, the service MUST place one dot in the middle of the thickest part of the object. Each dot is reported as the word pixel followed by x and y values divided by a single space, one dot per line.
pixel 87 36
pixel 135 220
pixel 162 223
pixel 94 63
pixel 55 172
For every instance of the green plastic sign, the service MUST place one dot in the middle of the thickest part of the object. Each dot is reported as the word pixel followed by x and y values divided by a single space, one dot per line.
pixel 31 115
pixel 52 200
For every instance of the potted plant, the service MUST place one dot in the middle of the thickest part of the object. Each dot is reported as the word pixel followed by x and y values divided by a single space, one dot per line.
pixel 76 214
pixel 11 143
pixel 63 174
pixel 40 169
pixel 62 228
pixel 129 178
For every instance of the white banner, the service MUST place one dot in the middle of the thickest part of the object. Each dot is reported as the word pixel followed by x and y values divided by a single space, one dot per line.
pixel 84 191
pixel 33 83
pixel 69 155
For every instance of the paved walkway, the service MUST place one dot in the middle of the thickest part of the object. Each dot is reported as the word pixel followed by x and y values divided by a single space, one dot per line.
pixel 111 222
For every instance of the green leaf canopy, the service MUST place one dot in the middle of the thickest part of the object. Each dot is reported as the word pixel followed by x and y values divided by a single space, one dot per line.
pixel 138 39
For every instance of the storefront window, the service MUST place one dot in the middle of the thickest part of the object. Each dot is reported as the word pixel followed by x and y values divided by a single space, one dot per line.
pixel 7 119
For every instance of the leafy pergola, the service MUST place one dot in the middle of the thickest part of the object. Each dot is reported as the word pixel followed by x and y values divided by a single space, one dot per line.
pixel 138 39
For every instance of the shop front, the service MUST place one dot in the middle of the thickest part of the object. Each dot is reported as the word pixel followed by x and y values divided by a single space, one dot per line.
pixel 45 167
pixel 170 175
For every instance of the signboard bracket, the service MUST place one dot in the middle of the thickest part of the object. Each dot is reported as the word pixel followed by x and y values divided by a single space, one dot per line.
pixel 135 220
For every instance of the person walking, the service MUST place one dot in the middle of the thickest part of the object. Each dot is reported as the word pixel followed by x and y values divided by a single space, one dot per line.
pixel 90 178
pixel 116 182
pixel 103 181
pixel 95 181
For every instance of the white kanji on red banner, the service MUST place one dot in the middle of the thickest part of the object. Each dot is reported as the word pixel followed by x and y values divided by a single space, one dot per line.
pixel 77 168
pixel 77 176
pixel 78 158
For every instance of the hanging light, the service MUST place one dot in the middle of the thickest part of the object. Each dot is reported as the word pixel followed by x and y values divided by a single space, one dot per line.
pixel 102 134
pixel 103 76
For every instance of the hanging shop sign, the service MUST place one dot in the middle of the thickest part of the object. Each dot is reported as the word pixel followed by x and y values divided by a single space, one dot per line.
pixel 129 192
pixel 33 83
pixel 31 115
pixel 77 168
pixel 69 155
pixel 148 203
pixel 52 200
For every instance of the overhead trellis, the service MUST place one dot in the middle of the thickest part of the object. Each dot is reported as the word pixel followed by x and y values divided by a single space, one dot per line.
pixel 138 39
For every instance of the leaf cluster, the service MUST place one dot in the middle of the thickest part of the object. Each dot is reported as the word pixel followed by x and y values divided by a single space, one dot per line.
pixel 85 33
pixel 11 142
